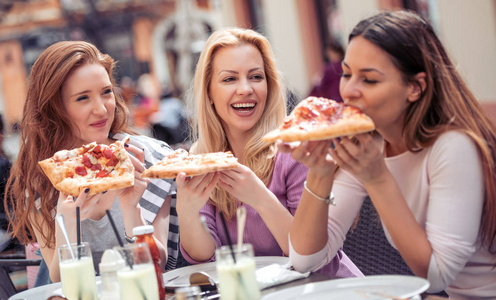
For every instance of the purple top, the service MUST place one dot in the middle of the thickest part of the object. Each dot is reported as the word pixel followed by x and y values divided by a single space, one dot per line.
pixel 287 185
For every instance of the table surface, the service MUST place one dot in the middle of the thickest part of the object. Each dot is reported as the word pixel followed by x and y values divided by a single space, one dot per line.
pixel 43 292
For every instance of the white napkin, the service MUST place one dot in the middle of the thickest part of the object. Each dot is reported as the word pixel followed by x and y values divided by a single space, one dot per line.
pixel 277 274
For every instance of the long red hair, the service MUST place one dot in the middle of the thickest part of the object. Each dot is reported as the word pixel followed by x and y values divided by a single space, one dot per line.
pixel 45 129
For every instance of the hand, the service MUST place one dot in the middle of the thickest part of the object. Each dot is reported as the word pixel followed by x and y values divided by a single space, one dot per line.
pixel 244 185
pixel 66 205
pixel 194 192
pixel 129 197
pixel 360 156
pixel 314 154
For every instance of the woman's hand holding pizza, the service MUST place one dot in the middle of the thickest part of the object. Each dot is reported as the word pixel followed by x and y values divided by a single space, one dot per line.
pixel 194 192
pixel 360 156
pixel 314 154
pixel 66 206
pixel 129 197
pixel 244 185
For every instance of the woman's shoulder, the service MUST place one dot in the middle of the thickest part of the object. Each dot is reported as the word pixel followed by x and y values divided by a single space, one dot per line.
pixel 454 145
pixel 453 138
pixel 142 141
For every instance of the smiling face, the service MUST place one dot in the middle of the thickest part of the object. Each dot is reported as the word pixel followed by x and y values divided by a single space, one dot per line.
pixel 238 87
pixel 89 101
pixel 374 84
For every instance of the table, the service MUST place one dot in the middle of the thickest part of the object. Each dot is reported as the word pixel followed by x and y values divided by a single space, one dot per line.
pixel 43 292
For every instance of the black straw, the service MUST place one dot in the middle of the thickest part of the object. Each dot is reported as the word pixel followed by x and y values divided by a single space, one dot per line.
pixel 115 228
pixel 224 226
pixel 129 260
pixel 78 227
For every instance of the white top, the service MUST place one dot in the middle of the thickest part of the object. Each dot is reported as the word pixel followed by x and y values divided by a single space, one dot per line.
pixel 444 187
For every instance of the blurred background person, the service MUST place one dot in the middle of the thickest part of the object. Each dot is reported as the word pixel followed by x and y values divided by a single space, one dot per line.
pixel 328 85
pixel 170 123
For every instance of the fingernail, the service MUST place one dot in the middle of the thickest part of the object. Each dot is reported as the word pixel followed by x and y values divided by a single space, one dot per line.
pixel 87 190
pixel 126 145
pixel 104 192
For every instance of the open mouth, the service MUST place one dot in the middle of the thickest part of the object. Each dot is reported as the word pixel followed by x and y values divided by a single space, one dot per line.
pixel 244 107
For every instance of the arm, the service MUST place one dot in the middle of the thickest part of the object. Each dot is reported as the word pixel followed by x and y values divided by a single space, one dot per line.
pixel 192 194
pixel 432 225
pixel 131 210
pixel 318 230
pixel 244 185
pixel 161 230
pixel 66 206
pixel 366 162
pixel 310 237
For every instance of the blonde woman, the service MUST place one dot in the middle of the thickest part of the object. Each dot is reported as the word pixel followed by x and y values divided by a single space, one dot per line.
pixel 238 96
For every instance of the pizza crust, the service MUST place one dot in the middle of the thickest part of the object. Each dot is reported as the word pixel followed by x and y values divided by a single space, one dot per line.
pixel 191 164
pixel 158 171
pixel 345 127
pixel 74 187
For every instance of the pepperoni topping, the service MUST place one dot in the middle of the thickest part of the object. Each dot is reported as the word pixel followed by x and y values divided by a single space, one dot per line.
pixel 112 162
pixel 108 153
pixel 80 170
pixel 86 161
pixel 97 149
pixel 96 167
pixel 287 123
pixel 102 173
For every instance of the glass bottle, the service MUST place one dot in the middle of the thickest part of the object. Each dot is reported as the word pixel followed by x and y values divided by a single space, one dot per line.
pixel 111 262
pixel 144 234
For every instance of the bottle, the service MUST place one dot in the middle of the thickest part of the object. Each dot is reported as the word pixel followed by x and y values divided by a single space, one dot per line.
pixel 144 234
pixel 111 262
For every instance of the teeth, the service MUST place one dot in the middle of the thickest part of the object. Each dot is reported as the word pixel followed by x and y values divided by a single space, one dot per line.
pixel 243 105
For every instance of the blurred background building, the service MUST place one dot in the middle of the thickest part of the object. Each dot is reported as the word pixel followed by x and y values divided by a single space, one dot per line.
pixel 163 38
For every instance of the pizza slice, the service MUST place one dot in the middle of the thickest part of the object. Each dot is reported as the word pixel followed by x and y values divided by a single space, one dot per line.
pixel 95 166
pixel 191 164
pixel 320 119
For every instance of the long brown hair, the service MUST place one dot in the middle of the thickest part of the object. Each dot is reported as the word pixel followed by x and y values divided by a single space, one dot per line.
pixel 446 103
pixel 46 129
pixel 207 131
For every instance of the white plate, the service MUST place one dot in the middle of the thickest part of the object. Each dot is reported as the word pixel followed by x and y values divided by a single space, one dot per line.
pixel 180 277
pixel 369 287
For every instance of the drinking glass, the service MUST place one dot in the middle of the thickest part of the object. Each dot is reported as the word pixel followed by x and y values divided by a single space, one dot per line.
pixel 237 281
pixel 77 272
pixel 138 279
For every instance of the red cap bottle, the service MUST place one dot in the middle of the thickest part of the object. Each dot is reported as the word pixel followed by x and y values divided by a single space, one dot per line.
pixel 144 234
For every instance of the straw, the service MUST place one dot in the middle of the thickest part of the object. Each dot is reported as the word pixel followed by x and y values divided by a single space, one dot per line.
pixel 78 227
pixel 229 242
pixel 126 253
pixel 224 226
pixel 129 261
pixel 60 220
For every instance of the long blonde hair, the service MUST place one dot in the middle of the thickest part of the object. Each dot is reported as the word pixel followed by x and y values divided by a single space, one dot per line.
pixel 46 129
pixel 446 103
pixel 207 131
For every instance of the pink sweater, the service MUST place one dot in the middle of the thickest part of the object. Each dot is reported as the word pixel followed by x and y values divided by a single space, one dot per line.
pixel 444 189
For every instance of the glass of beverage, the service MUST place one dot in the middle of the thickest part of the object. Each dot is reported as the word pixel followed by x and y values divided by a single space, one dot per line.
pixel 137 280
pixel 237 280
pixel 77 272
